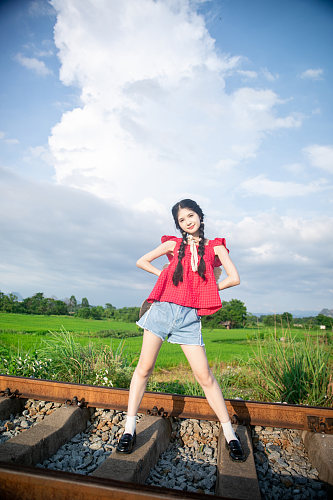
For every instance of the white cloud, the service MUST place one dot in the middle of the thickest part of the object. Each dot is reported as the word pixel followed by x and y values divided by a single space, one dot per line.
pixel 285 262
pixel 61 241
pixel 294 168
pixel 40 152
pixel 260 185
pixel 251 75
pixel 7 140
pixel 44 53
pixel 154 105
pixel 151 206
pixel 38 8
pixel 268 75
pixel 12 141
pixel 280 239
pixel 33 64
pixel 226 165
pixel 312 74
pixel 320 156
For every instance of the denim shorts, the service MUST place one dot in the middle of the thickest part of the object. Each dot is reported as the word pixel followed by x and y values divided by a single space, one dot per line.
pixel 178 324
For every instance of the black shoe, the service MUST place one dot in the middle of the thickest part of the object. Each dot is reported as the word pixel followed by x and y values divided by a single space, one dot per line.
pixel 126 443
pixel 236 451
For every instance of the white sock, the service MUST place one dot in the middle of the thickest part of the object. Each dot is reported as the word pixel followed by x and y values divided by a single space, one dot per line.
pixel 130 425
pixel 228 431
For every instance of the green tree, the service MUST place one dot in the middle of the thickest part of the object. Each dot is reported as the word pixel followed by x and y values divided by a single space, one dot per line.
pixel 324 320
pixel 9 303
pixel 270 319
pixel 96 312
pixel 233 312
pixel 84 302
pixel 287 319
pixel 83 312
pixel 109 310
pixel 57 307
pixel 37 304
pixel 72 304
pixel 130 314
pixel 251 320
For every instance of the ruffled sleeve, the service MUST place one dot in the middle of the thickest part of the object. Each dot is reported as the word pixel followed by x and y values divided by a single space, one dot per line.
pixel 168 238
pixel 215 243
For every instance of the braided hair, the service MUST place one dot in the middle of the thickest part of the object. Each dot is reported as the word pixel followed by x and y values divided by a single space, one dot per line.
pixel 191 205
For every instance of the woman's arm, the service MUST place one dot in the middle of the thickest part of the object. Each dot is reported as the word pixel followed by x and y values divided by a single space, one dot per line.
pixel 145 261
pixel 232 278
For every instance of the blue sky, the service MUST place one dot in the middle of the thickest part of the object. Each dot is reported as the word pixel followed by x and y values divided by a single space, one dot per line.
pixel 112 111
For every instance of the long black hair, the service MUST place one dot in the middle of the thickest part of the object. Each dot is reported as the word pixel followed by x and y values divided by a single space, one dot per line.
pixel 190 205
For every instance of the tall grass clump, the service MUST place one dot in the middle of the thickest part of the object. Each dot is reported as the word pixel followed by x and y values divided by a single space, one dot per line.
pixel 293 370
pixel 90 364
pixel 23 363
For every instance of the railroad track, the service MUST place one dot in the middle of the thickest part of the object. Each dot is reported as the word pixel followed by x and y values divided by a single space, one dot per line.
pixel 50 428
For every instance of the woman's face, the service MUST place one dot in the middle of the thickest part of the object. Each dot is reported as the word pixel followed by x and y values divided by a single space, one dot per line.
pixel 189 221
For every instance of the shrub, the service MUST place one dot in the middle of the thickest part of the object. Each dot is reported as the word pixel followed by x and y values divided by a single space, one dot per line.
pixel 117 334
pixel 292 371
pixel 25 364
pixel 72 362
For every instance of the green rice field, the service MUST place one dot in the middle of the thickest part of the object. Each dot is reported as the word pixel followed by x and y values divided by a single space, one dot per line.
pixel 22 333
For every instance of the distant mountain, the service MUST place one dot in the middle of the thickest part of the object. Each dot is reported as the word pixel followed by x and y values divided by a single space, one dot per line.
pixel 327 312
pixel 297 313
pixel 18 295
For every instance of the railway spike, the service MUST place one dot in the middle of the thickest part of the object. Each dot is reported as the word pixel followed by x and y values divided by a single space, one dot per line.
pixel 6 393
pixel 76 402
pixel 234 419
pixel 9 394
pixel 154 412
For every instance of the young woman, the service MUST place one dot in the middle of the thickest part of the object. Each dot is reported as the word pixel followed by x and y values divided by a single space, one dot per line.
pixel 184 291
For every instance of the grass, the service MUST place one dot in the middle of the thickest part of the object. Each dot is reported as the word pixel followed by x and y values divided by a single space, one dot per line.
pixel 222 346
pixel 294 371
pixel 39 324
pixel 269 364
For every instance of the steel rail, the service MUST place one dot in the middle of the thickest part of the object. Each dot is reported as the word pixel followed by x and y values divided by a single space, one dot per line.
pixel 247 412
pixel 18 482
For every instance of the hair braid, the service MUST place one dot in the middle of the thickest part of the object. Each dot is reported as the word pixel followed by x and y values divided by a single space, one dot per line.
pixel 178 274
pixel 201 252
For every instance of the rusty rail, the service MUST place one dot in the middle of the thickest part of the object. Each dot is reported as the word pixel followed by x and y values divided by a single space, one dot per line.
pixel 18 482
pixel 249 412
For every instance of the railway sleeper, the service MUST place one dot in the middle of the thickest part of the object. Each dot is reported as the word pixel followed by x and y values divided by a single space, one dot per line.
pixel 234 480
pixel 10 406
pixel 44 439
pixel 237 479
pixel 153 437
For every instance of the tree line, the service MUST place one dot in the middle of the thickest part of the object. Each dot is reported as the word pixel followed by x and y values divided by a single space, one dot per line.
pixel 232 315
pixel 287 320
pixel 38 304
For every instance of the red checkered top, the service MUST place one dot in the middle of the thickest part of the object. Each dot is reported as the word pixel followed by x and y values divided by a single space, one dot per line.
pixel 193 291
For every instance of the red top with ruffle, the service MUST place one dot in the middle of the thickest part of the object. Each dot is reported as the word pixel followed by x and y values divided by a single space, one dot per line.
pixel 193 291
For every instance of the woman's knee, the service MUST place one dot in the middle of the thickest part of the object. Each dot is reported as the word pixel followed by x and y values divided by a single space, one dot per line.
pixel 144 370
pixel 205 379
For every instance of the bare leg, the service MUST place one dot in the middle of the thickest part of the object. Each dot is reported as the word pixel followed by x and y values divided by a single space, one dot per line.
pixel 151 345
pixel 196 356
